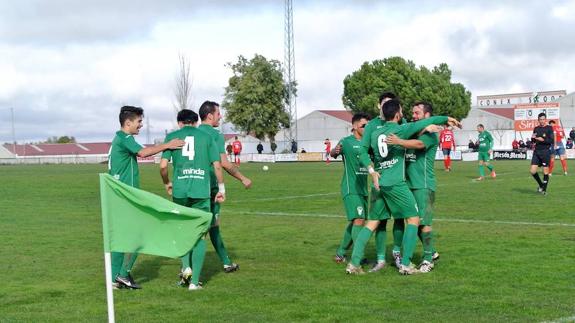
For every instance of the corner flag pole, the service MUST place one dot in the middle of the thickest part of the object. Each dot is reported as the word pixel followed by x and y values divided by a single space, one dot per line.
pixel 109 290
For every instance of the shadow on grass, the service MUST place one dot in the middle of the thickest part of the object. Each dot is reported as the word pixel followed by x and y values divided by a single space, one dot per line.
pixel 525 191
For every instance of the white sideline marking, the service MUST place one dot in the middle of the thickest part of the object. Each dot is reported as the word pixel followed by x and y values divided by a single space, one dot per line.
pixel 289 197
pixel 319 215
pixel 562 320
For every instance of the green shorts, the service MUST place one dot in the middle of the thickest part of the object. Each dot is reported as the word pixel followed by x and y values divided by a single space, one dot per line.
pixel 200 204
pixel 483 156
pixel 396 200
pixel 355 207
pixel 425 199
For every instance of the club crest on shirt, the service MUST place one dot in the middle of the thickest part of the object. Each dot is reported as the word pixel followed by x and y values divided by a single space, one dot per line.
pixel 360 210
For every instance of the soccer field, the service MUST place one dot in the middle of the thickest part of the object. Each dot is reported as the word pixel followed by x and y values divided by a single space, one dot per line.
pixel 507 253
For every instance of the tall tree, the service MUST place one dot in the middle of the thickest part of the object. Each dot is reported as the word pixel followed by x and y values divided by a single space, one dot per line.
pixel 182 84
pixel 362 88
pixel 256 95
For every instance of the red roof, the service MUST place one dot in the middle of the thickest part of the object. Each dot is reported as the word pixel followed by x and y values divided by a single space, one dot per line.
pixel 97 148
pixel 340 114
pixel 508 113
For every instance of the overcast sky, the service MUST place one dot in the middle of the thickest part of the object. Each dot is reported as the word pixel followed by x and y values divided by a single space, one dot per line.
pixel 66 66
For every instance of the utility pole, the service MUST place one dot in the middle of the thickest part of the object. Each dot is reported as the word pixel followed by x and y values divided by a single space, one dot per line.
pixel 13 131
pixel 289 72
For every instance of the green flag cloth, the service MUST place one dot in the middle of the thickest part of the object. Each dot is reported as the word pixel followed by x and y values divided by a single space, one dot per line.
pixel 139 221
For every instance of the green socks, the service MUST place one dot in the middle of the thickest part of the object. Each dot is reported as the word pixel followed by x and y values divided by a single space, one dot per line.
pixel 481 171
pixel 128 264
pixel 359 246
pixel 409 241
pixel 198 256
pixel 355 231
pixel 427 239
pixel 346 240
pixel 117 262
pixel 380 237
pixel 398 228
pixel 490 167
pixel 186 261
pixel 218 243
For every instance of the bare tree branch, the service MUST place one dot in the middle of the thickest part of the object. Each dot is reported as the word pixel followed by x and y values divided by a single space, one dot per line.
pixel 182 85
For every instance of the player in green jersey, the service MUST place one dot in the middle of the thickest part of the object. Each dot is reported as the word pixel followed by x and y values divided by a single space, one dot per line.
pixel 484 152
pixel 420 158
pixel 393 196
pixel 191 184
pixel 353 183
pixel 123 166
pixel 398 224
pixel 210 116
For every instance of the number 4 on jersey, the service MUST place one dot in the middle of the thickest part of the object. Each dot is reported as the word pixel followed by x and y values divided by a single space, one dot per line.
pixel 188 149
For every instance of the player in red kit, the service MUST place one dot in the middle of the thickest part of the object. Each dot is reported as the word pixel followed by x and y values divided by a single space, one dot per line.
pixel 327 144
pixel 558 148
pixel 447 141
pixel 237 148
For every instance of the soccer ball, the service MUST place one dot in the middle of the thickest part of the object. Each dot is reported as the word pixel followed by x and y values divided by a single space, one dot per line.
pixel 265 168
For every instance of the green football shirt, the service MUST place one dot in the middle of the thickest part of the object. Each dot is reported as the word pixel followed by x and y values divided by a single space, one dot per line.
pixel 218 138
pixel 390 159
pixel 485 141
pixel 420 163
pixel 354 180
pixel 370 127
pixel 192 163
pixel 122 159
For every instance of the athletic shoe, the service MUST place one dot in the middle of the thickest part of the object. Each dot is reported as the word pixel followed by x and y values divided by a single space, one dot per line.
pixel 231 268
pixel 435 256
pixel 379 265
pixel 539 189
pixel 480 178
pixel 493 175
pixel 115 285
pixel 353 270
pixel 397 258
pixel 565 173
pixel 407 270
pixel 544 193
pixel 426 266
pixel 339 259
pixel 185 277
pixel 195 287
pixel 127 282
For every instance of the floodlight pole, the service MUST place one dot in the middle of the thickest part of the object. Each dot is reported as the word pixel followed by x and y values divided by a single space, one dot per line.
pixel 13 131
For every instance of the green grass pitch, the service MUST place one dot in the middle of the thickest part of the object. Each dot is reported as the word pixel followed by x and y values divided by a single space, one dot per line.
pixel 507 253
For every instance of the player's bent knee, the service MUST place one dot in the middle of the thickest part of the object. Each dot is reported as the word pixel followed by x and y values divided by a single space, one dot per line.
pixel 372 224
pixel 358 221
pixel 413 220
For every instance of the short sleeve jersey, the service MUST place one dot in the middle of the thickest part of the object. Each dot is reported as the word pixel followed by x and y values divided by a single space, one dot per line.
pixel 420 163
pixel 390 159
pixel 192 163
pixel 122 159
pixel 545 132
pixel 485 141
pixel 354 180
pixel 559 133
pixel 447 139
pixel 218 138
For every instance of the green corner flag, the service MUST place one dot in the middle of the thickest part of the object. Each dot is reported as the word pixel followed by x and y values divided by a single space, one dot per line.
pixel 138 221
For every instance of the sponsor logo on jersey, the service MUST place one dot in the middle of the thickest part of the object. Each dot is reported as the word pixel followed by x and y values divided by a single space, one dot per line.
pixel 193 171
pixel 388 163
pixel 410 157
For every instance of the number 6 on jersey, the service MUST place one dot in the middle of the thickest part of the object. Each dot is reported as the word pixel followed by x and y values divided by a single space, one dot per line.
pixel 188 149
pixel 382 145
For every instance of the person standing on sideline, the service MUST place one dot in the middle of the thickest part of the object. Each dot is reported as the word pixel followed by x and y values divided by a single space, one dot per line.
pixel 260 148
pixel 447 140
pixel 543 138
pixel 485 148
pixel 237 147
pixel 327 144
pixel 123 166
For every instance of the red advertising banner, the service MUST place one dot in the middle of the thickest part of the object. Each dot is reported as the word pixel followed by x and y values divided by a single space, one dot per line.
pixel 526 114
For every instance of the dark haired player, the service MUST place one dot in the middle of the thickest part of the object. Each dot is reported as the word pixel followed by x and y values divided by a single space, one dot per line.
pixel 123 165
